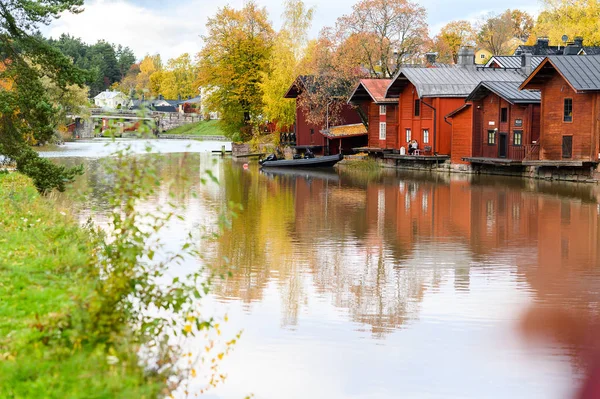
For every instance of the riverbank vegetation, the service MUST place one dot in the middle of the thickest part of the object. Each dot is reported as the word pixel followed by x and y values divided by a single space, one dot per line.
pixel 89 313
pixel 203 128
pixel 46 275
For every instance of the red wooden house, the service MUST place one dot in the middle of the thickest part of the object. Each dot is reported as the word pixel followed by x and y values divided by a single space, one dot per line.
pixel 427 95
pixel 499 125
pixel 570 105
pixel 382 113
pixel 309 136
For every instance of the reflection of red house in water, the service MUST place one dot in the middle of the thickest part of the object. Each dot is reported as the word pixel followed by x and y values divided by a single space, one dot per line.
pixel 309 135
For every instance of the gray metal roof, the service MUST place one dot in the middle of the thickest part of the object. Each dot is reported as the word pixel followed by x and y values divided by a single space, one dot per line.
pixel 513 61
pixel 449 82
pixel 582 72
pixel 508 91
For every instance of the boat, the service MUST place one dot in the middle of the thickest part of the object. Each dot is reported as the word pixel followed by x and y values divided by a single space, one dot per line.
pixel 328 174
pixel 317 162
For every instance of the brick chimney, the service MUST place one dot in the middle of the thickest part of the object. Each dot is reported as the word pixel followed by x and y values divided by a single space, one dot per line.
pixel 466 57
pixel 430 58
pixel 542 42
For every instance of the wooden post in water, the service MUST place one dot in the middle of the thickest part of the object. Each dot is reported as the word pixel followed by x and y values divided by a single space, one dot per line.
pixel 223 150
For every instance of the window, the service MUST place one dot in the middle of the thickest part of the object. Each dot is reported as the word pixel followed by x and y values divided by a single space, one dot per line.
pixel 312 131
pixel 518 138
pixel 382 130
pixel 408 135
pixel 491 137
pixel 417 107
pixel 568 110
pixel 482 56
pixel 503 115
pixel 382 110
pixel 426 136
pixel 519 122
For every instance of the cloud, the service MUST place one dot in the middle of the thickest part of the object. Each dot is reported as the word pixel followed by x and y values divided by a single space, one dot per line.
pixel 170 29
pixel 145 30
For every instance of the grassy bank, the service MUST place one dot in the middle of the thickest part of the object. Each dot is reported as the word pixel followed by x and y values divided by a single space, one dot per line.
pixel 45 276
pixel 203 128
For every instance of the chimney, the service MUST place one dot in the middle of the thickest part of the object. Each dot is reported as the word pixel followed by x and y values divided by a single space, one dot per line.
pixel 160 97
pixel 430 58
pixel 179 97
pixel 466 57
pixel 526 63
pixel 578 41
pixel 542 42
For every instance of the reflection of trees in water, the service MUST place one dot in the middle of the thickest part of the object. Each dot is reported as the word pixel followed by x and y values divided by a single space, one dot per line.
pixel 378 246
pixel 294 226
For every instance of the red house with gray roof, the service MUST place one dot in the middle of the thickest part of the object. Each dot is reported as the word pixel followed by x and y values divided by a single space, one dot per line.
pixel 309 136
pixel 426 95
pixel 382 113
pixel 570 105
pixel 499 125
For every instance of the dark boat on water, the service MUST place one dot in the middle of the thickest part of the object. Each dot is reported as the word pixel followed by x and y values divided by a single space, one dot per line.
pixel 303 163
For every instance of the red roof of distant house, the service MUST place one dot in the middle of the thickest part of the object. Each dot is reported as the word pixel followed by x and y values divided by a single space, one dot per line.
pixel 373 89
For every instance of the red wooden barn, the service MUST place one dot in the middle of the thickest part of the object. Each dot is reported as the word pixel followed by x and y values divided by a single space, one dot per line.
pixel 382 113
pixel 500 125
pixel 309 135
pixel 427 95
pixel 570 105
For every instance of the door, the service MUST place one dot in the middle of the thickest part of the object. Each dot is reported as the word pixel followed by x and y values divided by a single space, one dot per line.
pixel 502 145
pixel 567 147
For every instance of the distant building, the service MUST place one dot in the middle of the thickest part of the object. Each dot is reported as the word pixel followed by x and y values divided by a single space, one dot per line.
pixel 482 56
pixel 111 100
pixel 542 47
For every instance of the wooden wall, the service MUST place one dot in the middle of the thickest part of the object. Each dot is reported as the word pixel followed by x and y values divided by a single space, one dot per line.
pixel 488 111
pixel 462 136
pixel 304 137
pixel 407 120
pixel 583 128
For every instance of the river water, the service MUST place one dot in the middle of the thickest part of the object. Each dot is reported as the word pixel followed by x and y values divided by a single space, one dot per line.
pixel 353 284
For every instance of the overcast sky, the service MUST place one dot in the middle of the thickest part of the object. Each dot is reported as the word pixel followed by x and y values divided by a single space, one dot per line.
pixel 170 29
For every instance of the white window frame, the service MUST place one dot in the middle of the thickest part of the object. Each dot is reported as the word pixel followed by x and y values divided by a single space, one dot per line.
pixel 382 130
pixel 408 133
pixel 382 110
pixel 425 136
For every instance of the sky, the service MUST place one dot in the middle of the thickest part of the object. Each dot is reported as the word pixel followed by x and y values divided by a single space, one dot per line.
pixel 172 28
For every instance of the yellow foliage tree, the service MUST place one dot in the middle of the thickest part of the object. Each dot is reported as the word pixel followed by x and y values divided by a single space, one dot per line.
pixel 451 38
pixel 284 65
pixel 569 17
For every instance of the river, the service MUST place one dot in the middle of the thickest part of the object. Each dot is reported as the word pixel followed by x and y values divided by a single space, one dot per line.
pixel 391 284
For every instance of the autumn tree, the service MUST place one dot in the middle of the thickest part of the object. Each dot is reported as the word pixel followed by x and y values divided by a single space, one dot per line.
pixel 500 34
pixel 179 78
pixel 334 69
pixel 26 111
pixel 388 33
pixel 232 64
pixel 451 38
pixel 150 64
pixel 284 64
pixel 571 18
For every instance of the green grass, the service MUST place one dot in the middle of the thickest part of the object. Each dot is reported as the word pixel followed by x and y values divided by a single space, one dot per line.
pixel 204 128
pixel 44 272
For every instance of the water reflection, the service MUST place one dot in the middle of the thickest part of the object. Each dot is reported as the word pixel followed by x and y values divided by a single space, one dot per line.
pixel 435 269
pixel 379 245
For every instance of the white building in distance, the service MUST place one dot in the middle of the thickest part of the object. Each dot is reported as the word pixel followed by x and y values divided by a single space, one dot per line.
pixel 111 100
